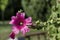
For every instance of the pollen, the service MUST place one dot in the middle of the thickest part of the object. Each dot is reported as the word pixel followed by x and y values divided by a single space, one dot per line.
pixel 21 23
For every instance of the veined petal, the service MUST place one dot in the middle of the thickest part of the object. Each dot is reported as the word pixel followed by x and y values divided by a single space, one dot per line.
pixel 14 32
pixel 15 29
pixel 13 17
pixel 29 19
pixel 21 15
pixel 19 27
pixel 24 30
pixel 12 35
pixel 11 22
pixel 27 23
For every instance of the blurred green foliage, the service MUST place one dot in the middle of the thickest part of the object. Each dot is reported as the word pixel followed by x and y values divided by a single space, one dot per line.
pixel 38 9
pixel 46 14
pixel 3 4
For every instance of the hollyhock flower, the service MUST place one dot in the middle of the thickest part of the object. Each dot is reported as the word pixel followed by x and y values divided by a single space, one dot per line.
pixel 20 23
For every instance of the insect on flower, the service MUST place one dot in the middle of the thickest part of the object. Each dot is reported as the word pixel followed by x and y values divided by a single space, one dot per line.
pixel 20 23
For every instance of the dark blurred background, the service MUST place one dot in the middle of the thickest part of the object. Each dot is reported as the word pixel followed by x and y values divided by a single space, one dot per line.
pixel 38 9
pixel 11 7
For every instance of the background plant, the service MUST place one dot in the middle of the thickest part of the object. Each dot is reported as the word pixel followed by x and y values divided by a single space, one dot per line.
pixel 47 13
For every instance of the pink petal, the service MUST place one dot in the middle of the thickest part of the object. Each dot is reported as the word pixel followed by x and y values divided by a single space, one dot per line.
pixel 11 22
pixel 15 30
pixel 24 30
pixel 29 21
pixel 13 17
pixel 19 27
pixel 21 15
pixel 12 35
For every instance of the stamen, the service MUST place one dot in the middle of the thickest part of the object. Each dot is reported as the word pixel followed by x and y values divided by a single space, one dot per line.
pixel 21 23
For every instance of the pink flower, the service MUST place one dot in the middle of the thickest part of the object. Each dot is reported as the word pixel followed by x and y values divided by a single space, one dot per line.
pixel 20 23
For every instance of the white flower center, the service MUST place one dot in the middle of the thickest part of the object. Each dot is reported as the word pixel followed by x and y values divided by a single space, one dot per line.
pixel 21 23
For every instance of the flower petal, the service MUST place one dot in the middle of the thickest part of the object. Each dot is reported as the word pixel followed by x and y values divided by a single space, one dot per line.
pixel 15 30
pixel 24 30
pixel 21 15
pixel 28 23
pixel 13 17
pixel 12 35
pixel 29 19
pixel 11 22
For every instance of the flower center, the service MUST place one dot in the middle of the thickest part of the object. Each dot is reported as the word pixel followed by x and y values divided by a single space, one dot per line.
pixel 21 23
